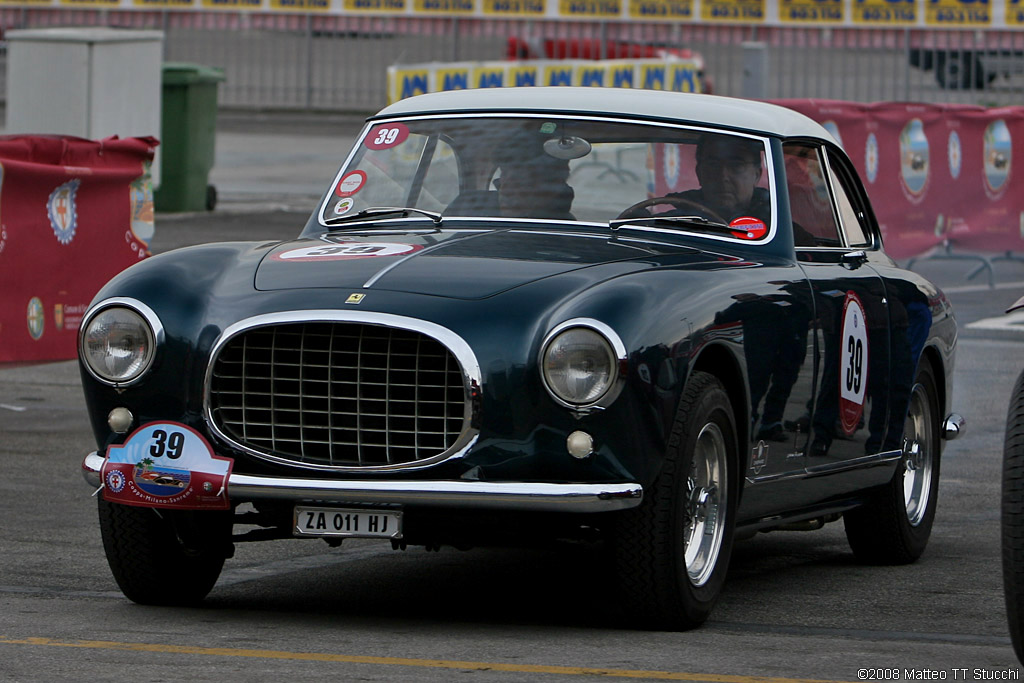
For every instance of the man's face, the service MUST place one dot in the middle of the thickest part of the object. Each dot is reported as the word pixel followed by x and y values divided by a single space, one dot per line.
pixel 728 174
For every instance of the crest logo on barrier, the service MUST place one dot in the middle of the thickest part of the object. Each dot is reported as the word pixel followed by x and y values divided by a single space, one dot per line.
pixel 63 211
pixel 998 155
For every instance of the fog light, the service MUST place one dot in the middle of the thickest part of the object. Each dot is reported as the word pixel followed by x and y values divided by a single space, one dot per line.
pixel 580 444
pixel 120 420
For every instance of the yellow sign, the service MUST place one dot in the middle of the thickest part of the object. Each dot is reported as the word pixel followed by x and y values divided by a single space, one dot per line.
pixel 732 10
pixel 523 75
pixel 374 5
pixel 811 11
pixel 1015 12
pixel 163 3
pixel 560 74
pixel 513 8
pixel 885 12
pixel 301 5
pixel 590 9
pixel 661 9
pixel 489 77
pixel 233 4
pixel 444 6
pixel 455 78
pixel 91 3
pixel 409 82
pixel 957 13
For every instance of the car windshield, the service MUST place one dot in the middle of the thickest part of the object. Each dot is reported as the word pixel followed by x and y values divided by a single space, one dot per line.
pixel 556 168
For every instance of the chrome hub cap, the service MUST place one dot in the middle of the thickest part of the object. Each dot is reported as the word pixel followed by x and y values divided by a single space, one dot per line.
pixel 705 502
pixel 918 448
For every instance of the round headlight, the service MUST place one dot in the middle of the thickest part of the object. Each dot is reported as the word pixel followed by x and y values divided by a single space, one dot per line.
pixel 118 345
pixel 579 366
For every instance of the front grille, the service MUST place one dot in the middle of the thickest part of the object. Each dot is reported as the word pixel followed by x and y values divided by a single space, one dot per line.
pixel 339 394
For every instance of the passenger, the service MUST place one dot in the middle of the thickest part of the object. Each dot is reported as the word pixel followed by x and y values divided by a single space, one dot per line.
pixel 534 186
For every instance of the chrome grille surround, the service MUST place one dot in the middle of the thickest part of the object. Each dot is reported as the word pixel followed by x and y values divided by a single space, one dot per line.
pixel 318 416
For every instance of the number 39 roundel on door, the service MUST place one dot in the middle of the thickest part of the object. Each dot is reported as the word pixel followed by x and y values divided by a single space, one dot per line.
pixel 853 367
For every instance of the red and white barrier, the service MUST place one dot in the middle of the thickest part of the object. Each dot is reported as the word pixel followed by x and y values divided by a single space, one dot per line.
pixel 73 213
pixel 936 174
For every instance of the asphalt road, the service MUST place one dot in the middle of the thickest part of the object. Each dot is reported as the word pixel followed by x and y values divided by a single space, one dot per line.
pixel 796 605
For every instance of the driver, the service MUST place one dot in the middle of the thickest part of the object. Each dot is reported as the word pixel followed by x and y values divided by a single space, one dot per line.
pixel 728 169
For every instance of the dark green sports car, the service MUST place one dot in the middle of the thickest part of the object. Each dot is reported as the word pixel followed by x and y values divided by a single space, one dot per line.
pixel 655 321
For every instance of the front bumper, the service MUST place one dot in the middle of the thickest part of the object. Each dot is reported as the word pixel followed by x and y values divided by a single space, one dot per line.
pixel 525 496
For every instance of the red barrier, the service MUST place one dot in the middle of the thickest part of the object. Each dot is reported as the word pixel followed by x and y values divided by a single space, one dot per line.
pixel 936 174
pixel 73 213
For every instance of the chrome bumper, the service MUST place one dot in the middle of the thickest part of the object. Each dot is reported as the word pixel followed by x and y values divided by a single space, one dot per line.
pixel 465 494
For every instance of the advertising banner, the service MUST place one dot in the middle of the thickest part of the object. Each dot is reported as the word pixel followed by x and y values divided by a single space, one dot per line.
pixel 934 173
pixel 73 213
pixel 669 73
pixel 925 14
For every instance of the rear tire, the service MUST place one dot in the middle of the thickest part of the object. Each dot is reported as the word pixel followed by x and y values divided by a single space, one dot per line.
pixel 672 552
pixel 164 557
pixel 1013 517
pixel 895 525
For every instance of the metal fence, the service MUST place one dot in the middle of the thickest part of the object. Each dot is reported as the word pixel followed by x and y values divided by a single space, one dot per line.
pixel 338 63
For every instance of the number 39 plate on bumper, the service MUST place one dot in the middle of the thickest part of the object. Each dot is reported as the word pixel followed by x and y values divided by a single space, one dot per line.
pixel 347 523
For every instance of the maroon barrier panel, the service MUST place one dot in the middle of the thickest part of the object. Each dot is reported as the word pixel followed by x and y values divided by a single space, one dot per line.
pixel 934 173
pixel 73 213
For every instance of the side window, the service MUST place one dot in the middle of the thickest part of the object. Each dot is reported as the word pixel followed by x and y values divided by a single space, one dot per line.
pixel 814 222
pixel 850 215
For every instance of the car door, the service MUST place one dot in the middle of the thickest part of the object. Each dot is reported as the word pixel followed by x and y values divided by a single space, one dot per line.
pixel 848 417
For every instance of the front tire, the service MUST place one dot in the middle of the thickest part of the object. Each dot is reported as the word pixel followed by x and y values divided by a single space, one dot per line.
pixel 672 552
pixel 1012 531
pixel 161 557
pixel 895 525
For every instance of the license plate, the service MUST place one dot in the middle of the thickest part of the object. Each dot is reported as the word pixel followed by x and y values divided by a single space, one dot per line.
pixel 347 523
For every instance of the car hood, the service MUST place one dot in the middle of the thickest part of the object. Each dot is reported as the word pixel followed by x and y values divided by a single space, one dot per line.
pixel 458 264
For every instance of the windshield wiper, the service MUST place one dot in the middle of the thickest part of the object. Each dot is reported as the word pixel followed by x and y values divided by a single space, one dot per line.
pixel 690 221
pixel 402 211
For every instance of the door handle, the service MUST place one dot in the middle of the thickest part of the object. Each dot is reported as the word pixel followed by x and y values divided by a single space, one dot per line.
pixel 854 259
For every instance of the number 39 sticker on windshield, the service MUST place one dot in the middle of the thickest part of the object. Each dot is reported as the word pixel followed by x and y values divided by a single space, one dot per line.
pixel 166 465
pixel 386 136
pixel 853 367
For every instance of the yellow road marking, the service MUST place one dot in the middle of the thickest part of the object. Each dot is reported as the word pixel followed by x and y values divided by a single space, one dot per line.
pixel 401 661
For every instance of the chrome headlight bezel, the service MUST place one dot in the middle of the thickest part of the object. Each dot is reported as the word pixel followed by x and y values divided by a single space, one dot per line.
pixel 610 345
pixel 150 328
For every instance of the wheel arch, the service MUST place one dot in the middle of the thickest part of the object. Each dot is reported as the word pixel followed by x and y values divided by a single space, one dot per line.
pixel 717 360
pixel 931 355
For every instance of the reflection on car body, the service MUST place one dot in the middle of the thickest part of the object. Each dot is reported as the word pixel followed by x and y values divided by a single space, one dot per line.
pixel 483 332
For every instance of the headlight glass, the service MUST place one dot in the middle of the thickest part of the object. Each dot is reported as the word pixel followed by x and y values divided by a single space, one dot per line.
pixel 118 345
pixel 579 366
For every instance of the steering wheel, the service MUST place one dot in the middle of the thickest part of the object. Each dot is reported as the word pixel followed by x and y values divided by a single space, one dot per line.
pixel 679 202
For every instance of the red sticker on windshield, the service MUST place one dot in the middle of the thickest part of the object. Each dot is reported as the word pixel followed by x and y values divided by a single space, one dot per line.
pixel 386 136
pixel 350 184
pixel 749 228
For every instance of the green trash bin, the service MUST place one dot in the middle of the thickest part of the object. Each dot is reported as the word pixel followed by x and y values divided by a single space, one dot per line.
pixel 188 123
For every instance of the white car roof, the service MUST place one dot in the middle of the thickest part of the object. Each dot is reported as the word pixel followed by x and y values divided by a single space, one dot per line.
pixel 713 110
